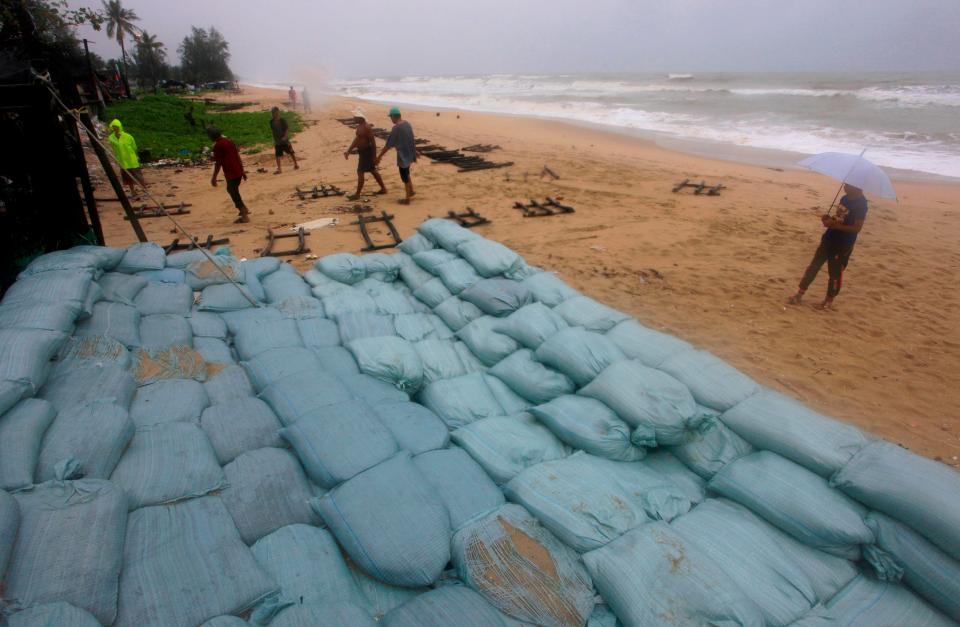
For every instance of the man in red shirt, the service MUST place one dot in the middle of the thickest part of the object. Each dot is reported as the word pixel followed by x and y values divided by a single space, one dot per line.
pixel 226 156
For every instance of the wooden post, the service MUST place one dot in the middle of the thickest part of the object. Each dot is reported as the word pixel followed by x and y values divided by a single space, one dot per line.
pixel 112 176
pixel 85 184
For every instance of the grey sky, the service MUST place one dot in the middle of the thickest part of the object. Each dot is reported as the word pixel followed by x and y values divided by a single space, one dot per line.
pixel 304 40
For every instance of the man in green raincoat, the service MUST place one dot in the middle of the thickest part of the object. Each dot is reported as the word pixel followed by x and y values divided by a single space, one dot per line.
pixel 125 149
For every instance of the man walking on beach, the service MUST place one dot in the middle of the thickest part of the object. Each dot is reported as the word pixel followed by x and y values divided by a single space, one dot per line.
pixel 401 138
pixel 292 94
pixel 281 139
pixel 125 149
pixel 836 245
pixel 226 156
pixel 366 144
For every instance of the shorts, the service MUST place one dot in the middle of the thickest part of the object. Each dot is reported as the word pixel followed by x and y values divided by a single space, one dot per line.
pixel 404 174
pixel 283 147
pixel 367 161
pixel 132 174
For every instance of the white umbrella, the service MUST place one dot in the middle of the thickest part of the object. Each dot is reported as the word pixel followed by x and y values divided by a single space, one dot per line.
pixel 852 169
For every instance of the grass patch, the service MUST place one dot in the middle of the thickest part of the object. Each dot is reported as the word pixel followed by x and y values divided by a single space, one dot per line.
pixel 160 124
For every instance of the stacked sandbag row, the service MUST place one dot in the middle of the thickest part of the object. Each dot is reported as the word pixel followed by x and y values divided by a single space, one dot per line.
pixel 605 384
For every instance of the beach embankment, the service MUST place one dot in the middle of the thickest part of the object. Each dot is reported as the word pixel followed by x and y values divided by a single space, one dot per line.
pixel 713 270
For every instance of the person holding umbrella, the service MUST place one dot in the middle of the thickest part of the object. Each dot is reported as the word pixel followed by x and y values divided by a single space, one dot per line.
pixel 856 175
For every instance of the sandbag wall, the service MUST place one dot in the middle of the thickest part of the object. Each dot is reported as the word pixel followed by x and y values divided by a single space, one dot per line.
pixel 267 462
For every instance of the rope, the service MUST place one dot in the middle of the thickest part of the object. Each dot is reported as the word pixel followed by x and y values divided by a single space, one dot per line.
pixel 45 79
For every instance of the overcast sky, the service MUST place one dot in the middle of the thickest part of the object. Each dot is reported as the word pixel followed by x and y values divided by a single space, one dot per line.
pixel 306 40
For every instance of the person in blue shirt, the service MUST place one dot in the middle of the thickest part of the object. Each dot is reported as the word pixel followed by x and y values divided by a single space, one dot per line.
pixel 836 244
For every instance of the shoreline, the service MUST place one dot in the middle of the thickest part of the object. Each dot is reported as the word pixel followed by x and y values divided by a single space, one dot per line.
pixel 714 271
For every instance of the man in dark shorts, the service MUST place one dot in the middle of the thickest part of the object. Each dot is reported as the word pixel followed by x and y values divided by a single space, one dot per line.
pixel 281 140
pixel 227 157
pixel 835 245
pixel 401 138
pixel 125 149
pixel 366 144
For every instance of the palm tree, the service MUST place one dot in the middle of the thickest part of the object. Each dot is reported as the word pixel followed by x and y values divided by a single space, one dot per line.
pixel 120 22
pixel 150 55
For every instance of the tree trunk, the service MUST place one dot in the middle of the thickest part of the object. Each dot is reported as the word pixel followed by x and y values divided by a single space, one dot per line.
pixel 123 58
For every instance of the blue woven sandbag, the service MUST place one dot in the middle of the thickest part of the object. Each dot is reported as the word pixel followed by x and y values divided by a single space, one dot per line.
pixel 164 582
pixel 588 501
pixel 282 285
pixel 647 399
pixel 348 301
pixel 489 258
pixel 62 260
pixel 300 393
pixel 115 320
pixel 392 302
pixel 587 424
pixel 47 316
pixel 414 327
pixel 582 311
pixel 169 400
pixel 439 360
pixel 866 601
pixel 456 313
pixel 165 298
pixel 167 275
pixel 184 258
pixel 672 469
pixel 254 338
pixel 225 297
pixel 166 463
pixel 712 381
pixel 530 378
pixel 84 352
pixel 444 606
pixel 223 269
pixel 390 522
pixel 338 441
pixel 432 293
pixel 25 354
pixel 277 364
pixel 332 613
pixel 9 523
pixel 651 576
pixel 226 620
pixel 783 577
pixel 511 402
pixel 505 445
pixel 108 257
pixel 487 344
pixel 143 256
pixel 121 288
pixel 415 243
pixel 52 614
pixel 917 491
pixel 795 500
pixel 266 490
pixel 466 491
pixel 578 353
pixel 389 359
pixel 497 297
pixel 381 597
pixel 343 267
pixel 227 385
pixel 67 286
pixel 318 332
pixel 522 569
pixel 213 350
pixel 307 564
pixel 771 421
pixel 531 325
pixel 11 392
pixel 240 425
pixel 431 260
pixel 353 326
pixel 76 388
pixel 645 345
pixel 412 275
pixel 461 400
pixel 458 275
pixel 207 324
pixel 381 267
pixel 902 553
pixel 337 360
pixel 163 331
pixel 374 391
pixel 70 546
pixel 21 431
pixel 446 233
pixel 300 307
pixel 236 319
pixel 709 447
pixel 414 427
pixel 93 436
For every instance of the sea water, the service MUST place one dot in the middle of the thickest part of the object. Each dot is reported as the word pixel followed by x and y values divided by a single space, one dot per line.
pixel 904 121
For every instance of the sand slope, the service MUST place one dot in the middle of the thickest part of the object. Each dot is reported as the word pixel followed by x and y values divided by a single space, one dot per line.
pixel 715 271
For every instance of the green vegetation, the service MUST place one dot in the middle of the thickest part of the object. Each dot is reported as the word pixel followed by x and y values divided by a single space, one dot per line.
pixel 160 123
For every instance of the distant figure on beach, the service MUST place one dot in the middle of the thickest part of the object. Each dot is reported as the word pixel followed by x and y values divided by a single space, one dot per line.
pixel 366 144
pixel 306 100
pixel 227 157
pixel 125 149
pixel 281 139
pixel 292 94
pixel 835 245
pixel 401 138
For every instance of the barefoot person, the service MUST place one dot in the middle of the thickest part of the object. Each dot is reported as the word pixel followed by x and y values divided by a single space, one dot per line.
pixel 366 144
pixel 292 94
pixel 401 138
pixel 281 139
pixel 227 157
pixel 125 149
pixel 836 244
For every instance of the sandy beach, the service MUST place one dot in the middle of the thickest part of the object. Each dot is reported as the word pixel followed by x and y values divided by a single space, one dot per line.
pixel 713 270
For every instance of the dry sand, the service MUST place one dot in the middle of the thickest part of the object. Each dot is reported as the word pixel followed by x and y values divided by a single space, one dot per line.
pixel 715 271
